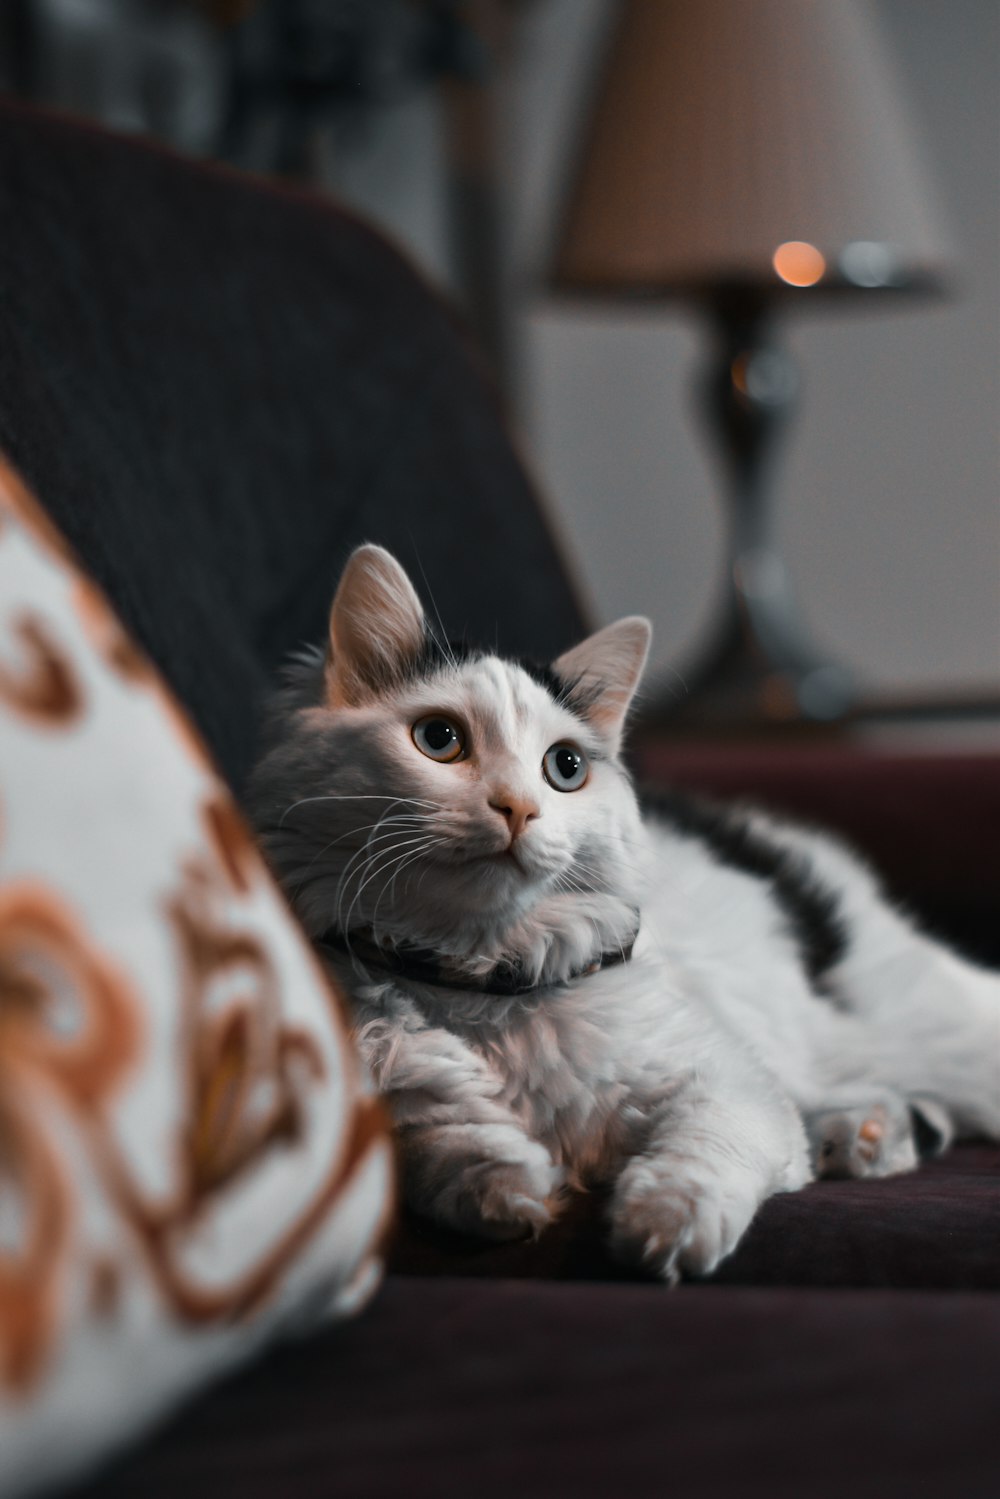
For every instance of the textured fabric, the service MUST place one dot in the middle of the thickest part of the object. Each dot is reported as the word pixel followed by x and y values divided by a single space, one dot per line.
pixel 187 1157
pixel 494 1390
pixel 938 1227
pixel 218 387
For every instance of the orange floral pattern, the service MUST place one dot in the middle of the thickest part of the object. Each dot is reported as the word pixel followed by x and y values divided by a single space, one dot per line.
pixel 185 1141
pixel 67 1018
pixel 65 1011
pixel 32 1255
pixel 45 688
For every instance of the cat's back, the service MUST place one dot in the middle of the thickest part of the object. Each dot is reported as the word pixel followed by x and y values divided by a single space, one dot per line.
pixel 744 921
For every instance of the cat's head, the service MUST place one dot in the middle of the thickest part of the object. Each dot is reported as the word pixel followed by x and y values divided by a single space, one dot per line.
pixel 437 794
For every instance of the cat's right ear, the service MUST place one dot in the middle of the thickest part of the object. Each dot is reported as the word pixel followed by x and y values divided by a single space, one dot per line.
pixel 376 628
pixel 603 671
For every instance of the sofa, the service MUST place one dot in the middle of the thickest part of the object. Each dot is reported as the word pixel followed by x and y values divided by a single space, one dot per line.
pixel 218 386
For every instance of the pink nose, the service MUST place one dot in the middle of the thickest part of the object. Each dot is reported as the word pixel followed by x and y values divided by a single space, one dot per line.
pixel 517 811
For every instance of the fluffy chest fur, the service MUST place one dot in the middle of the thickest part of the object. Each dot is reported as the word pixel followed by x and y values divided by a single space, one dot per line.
pixel 568 1065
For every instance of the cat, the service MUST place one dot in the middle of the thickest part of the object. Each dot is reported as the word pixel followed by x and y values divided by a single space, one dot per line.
pixel 553 988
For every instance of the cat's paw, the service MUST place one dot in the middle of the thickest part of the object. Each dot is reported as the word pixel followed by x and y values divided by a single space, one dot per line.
pixel 518 1202
pixel 870 1140
pixel 503 1199
pixel 673 1218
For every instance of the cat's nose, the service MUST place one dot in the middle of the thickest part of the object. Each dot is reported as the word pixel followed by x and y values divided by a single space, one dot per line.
pixel 518 811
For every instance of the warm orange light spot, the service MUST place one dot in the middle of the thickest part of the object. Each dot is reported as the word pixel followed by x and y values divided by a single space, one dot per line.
pixel 799 263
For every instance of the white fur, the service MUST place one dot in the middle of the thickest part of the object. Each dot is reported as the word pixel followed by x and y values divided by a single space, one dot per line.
pixel 687 1078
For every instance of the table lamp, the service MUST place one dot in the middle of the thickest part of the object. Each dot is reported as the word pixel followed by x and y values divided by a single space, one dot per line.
pixel 753 158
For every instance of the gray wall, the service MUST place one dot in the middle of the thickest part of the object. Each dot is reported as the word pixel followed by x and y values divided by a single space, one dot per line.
pixel 890 514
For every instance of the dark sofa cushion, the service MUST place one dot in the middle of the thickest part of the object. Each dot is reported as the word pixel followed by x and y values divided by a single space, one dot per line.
pixel 218 387
pixel 938 1227
pixel 495 1390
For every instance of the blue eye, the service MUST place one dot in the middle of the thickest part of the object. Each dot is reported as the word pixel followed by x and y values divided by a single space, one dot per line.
pixel 438 738
pixel 565 767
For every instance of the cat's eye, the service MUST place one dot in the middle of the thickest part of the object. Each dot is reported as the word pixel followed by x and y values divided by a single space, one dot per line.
pixel 565 767
pixel 438 738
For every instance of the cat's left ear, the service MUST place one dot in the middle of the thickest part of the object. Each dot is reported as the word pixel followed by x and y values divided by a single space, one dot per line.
pixel 376 628
pixel 603 672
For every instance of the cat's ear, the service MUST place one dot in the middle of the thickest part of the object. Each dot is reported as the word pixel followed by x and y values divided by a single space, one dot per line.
pixel 603 672
pixel 376 628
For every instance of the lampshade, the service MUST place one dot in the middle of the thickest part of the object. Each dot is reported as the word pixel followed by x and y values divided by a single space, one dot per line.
pixel 728 129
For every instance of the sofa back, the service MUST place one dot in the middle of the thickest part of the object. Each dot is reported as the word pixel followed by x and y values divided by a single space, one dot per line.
pixel 219 386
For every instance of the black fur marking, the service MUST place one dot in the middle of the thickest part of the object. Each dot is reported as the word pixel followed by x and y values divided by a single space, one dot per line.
pixel 436 654
pixel 928 1138
pixel 574 696
pixel 810 907
pixel 544 675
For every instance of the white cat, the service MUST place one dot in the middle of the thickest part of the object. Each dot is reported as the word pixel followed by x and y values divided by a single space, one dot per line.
pixel 700 1007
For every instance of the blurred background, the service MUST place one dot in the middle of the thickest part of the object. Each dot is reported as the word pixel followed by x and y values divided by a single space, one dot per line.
pixel 461 129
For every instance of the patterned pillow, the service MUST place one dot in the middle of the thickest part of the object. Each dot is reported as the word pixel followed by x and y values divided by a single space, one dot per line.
pixel 189 1158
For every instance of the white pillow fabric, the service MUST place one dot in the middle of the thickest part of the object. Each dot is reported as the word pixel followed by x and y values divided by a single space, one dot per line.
pixel 189 1157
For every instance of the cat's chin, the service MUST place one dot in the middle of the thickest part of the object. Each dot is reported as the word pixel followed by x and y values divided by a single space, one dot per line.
pixel 506 860
pixel 489 877
pixel 511 868
pixel 491 886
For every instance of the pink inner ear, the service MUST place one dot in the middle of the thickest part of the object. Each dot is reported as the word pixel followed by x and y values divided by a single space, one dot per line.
pixel 610 708
pixel 376 627
pixel 611 663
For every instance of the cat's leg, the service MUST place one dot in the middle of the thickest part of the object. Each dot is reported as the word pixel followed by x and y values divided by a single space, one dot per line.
pixel 867 1134
pixel 718 1147
pixel 466 1160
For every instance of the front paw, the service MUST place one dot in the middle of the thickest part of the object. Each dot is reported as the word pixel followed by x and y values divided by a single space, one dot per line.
pixel 672 1216
pixel 515 1201
pixel 514 1196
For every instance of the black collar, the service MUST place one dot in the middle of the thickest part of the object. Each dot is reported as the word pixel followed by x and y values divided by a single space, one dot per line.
pixel 424 966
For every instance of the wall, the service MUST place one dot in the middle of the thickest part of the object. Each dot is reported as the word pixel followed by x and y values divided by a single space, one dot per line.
pixel 890 517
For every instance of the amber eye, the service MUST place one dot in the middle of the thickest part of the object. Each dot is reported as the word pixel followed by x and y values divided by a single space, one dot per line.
pixel 438 738
pixel 565 767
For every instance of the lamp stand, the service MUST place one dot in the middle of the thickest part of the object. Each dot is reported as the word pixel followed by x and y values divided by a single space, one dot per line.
pixel 758 668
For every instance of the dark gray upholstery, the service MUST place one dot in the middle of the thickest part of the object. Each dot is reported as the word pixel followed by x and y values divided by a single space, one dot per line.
pixel 218 387
pixel 499 1390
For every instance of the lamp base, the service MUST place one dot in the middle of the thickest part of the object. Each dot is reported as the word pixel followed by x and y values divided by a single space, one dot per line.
pixel 759 669
pixel 737 683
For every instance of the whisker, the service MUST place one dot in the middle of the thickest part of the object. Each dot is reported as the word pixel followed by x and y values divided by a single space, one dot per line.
pixel 415 819
pixel 428 839
pixel 446 648
pixel 369 843
pixel 402 863
pixel 360 796
pixel 394 857
pixel 368 877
